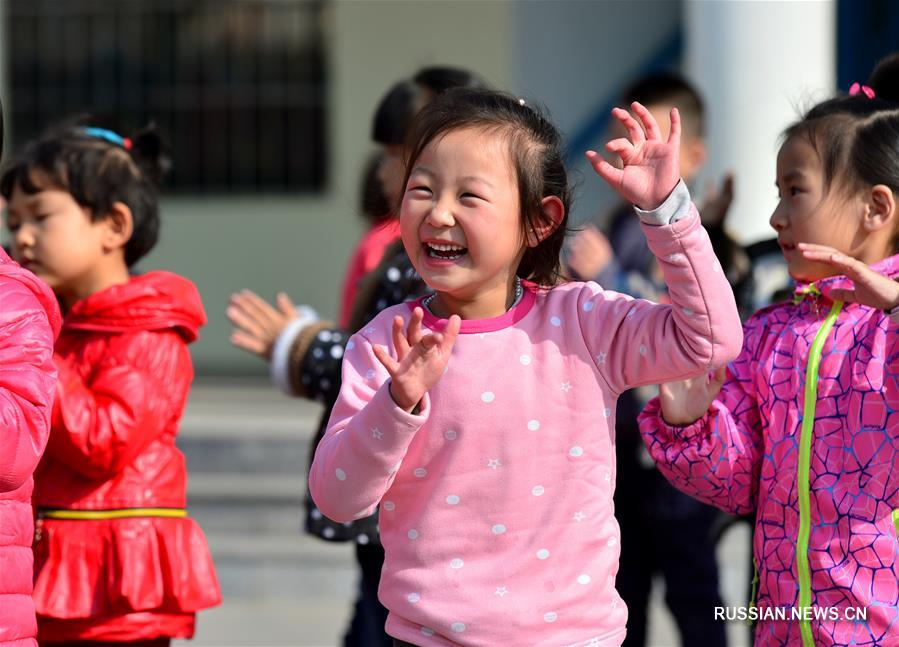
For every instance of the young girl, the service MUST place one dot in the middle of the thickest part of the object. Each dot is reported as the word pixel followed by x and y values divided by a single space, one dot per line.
pixel 803 431
pixel 29 323
pixel 116 558
pixel 480 417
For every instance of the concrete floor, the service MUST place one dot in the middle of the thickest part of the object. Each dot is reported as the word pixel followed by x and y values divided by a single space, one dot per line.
pixel 280 586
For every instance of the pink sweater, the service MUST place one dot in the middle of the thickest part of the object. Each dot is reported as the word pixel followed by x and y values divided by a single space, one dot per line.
pixel 496 499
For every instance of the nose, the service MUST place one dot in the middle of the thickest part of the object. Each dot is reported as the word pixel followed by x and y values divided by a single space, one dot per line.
pixel 23 237
pixel 778 219
pixel 441 215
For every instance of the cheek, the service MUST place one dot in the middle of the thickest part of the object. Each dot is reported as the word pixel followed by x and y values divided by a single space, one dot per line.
pixel 409 223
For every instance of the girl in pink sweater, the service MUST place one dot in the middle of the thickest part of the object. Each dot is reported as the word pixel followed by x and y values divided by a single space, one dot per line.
pixel 480 417
pixel 804 430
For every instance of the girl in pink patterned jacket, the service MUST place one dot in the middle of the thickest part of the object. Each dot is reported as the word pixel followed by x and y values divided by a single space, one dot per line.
pixel 805 429
pixel 481 417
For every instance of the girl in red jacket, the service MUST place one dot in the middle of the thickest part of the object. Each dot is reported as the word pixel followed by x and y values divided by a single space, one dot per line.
pixel 117 560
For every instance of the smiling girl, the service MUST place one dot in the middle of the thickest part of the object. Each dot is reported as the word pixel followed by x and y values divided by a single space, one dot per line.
pixel 480 417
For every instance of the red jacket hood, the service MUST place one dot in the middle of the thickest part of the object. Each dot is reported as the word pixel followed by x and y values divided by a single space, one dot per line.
pixel 41 290
pixel 152 301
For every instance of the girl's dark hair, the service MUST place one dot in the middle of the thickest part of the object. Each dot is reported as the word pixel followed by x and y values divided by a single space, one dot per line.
pixel 857 137
pixel 536 154
pixel 375 206
pixel 402 102
pixel 97 171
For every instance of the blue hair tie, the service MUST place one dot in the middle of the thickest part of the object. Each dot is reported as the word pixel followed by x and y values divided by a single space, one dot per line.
pixel 108 135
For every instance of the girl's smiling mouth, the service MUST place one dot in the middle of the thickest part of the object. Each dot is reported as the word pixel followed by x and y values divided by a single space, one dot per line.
pixel 445 251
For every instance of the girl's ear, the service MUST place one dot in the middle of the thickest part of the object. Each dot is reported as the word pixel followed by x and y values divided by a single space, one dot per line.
pixel 881 209
pixel 554 212
pixel 119 225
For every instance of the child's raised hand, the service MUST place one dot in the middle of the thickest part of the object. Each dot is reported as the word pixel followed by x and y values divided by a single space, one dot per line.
pixel 257 324
pixel 685 402
pixel 869 287
pixel 650 167
pixel 421 358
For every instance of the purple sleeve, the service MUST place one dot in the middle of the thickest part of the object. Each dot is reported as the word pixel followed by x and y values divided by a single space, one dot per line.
pixel 718 458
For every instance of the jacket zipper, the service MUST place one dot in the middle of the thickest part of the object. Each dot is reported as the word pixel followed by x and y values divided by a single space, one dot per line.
pixel 805 448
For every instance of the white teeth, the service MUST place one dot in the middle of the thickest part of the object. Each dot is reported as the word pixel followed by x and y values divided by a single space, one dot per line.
pixel 446 248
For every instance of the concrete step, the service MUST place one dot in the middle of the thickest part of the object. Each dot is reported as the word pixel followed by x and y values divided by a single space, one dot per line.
pixel 251 453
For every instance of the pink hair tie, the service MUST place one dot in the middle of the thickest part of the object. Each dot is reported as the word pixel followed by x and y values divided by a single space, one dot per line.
pixel 857 88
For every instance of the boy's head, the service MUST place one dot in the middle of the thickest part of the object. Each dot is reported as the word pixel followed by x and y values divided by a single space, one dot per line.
pixel 661 92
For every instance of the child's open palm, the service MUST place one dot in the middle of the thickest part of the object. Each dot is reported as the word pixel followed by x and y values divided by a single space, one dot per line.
pixel 870 288
pixel 650 167
pixel 421 358
pixel 685 402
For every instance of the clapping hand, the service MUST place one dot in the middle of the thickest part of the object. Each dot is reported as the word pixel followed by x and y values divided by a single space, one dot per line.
pixel 257 324
pixel 421 358
pixel 685 402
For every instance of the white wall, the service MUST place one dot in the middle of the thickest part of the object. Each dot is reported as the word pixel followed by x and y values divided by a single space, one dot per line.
pixel 759 65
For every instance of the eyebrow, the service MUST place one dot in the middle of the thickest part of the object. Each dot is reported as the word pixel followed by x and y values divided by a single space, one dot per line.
pixel 475 178
pixel 467 178
pixel 793 175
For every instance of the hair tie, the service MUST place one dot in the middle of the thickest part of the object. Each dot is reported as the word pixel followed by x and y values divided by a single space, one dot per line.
pixel 858 88
pixel 109 136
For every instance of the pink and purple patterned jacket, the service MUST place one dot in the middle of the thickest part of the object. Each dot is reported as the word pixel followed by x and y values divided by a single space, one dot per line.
pixel 805 433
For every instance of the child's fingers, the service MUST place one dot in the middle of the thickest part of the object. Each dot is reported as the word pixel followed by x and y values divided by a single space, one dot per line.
pixel 414 333
pixel 431 341
pixel 386 360
pixel 286 306
pixel 451 331
pixel 674 135
pixel 851 267
pixel 241 319
pixel 248 343
pixel 258 307
pixel 605 170
pixel 634 130
pixel 399 338
pixel 649 122
pixel 621 147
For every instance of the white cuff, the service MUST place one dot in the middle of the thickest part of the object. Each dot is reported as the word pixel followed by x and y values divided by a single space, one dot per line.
pixel 278 369
pixel 675 207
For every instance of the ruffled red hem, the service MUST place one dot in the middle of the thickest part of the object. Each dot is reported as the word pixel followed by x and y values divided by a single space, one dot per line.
pixel 125 628
pixel 104 568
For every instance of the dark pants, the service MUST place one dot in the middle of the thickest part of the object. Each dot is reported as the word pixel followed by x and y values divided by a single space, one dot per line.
pixel 369 615
pixel 665 532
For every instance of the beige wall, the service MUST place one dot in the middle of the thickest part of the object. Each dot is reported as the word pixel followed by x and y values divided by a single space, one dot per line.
pixel 302 243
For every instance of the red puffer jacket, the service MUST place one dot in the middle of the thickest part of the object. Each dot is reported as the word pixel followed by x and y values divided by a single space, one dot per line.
pixel 116 559
pixel 29 323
